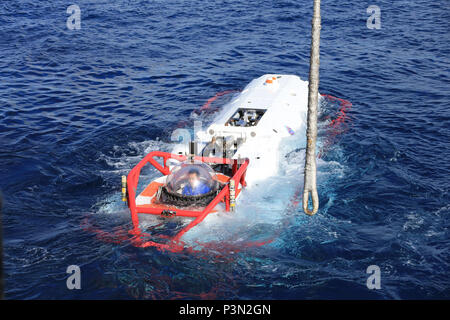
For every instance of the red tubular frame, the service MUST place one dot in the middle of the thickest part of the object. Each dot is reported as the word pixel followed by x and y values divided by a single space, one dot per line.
pixel 239 171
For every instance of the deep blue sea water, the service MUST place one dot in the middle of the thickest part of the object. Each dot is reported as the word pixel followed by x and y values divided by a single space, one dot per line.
pixel 79 108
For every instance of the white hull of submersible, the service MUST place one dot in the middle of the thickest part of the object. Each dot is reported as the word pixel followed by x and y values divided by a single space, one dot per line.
pixel 270 109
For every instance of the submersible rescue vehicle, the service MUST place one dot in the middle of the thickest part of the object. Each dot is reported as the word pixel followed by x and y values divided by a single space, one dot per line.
pixel 237 150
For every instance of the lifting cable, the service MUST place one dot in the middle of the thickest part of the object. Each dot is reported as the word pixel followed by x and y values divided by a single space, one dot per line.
pixel 311 132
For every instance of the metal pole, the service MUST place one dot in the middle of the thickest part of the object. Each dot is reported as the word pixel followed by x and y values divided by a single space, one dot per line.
pixel 311 132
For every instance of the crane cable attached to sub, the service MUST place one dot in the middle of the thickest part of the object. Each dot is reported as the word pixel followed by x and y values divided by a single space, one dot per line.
pixel 310 186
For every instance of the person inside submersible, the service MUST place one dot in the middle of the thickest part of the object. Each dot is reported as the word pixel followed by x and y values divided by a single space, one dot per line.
pixel 195 186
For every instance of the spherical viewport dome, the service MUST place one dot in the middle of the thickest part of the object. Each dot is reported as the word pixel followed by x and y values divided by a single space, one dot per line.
pixel 179 177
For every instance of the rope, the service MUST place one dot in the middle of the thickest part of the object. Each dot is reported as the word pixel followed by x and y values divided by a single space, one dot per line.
pixel 310 187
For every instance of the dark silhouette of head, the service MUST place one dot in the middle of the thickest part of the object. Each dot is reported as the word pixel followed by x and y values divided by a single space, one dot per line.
pixel 193 176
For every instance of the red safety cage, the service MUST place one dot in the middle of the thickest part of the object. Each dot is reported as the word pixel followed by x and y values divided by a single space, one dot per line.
pixel 239 168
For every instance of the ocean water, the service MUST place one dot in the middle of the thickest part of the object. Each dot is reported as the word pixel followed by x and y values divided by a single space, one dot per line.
pixel 79 108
